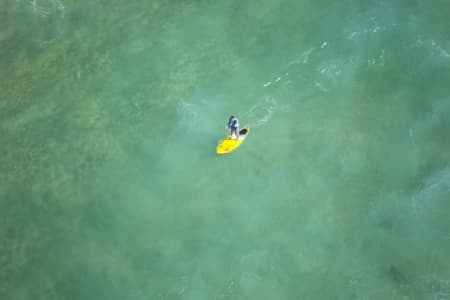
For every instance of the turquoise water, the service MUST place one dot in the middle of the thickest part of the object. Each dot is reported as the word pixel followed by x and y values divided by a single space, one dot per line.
pixel 110 187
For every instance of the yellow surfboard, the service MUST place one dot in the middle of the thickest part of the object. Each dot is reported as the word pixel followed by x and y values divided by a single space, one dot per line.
pixel 229 144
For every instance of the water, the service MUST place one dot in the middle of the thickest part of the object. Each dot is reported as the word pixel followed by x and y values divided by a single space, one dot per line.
pixel 109 117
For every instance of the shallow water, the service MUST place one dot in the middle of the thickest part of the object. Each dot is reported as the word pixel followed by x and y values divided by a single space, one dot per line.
pixel 109 117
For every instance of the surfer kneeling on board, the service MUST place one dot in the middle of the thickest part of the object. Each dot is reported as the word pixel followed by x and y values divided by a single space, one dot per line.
pixel 233 125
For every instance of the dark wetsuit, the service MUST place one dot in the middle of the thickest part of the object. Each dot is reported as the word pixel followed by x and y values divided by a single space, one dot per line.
pixel 233 124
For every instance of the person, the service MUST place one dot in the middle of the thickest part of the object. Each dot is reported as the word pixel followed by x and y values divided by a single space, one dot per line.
pixel 233 125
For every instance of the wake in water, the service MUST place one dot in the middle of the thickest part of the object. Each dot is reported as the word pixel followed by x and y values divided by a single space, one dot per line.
pixel 261 112
pixel 187 114
pixel 194 117
pixel 51 13
pixel 48 8
pixel 435 189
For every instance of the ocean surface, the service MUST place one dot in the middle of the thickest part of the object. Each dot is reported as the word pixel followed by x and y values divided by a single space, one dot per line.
pixel 110 187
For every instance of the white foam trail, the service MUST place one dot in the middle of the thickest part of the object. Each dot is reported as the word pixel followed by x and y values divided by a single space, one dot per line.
pixel 352 35
pixel 49 9
pixel 278 79
pixel 40 10
pixel 433 46
pixel 60 7
pixel 186 110
pixel 370 29
pixel 262 112
pixel 435 187
pixel 320 86
pixel 50 41
pixel 303 58
pixel 46 10
pixel 441 51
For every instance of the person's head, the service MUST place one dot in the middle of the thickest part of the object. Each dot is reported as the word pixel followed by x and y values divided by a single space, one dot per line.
pixel 231 117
